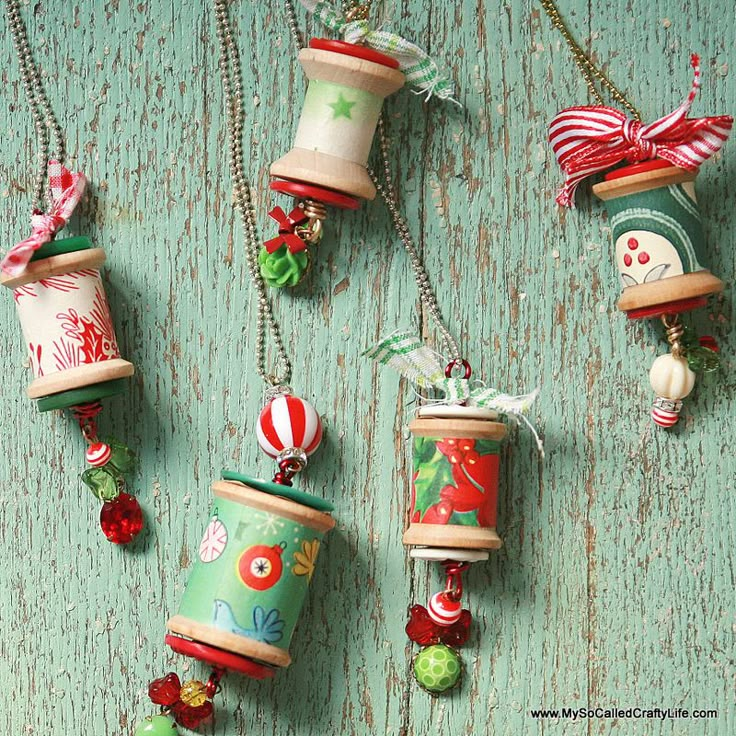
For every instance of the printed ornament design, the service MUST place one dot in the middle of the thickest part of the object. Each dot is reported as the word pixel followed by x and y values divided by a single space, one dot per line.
pixel 656 233
pixel 455 481
pixel 260 566
pixel 66 322
pixel 214 541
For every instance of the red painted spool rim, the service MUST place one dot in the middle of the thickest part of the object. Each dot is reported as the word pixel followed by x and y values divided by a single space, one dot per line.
pixel 676 307
pixel 352 49
pixel 639 168
pixel 219 658
pixel 309 191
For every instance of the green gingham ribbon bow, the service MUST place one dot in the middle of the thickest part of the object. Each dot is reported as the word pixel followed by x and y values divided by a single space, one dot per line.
pixel 420 70
pixel 413 360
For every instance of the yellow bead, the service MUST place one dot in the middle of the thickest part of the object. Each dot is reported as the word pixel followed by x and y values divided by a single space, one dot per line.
pixel 193 693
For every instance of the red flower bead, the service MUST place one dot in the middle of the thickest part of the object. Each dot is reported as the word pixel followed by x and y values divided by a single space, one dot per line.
pixel 122 519
pixel 422 630
pixel 165 690
pixel 189 717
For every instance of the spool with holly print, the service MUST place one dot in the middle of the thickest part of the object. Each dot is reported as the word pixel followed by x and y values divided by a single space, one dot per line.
pixel 454 486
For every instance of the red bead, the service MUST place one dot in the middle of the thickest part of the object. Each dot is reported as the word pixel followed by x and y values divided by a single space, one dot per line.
pixel 165 690
pixel 708 341
pixel 189 717
pixel 121 519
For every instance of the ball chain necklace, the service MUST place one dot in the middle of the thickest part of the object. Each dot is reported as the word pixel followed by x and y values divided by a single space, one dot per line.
pixel 63 310
pixel 655 222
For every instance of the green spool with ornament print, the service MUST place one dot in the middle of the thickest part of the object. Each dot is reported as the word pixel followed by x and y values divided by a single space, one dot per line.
pixel 454 488
pixel 658 238
pixel 247 589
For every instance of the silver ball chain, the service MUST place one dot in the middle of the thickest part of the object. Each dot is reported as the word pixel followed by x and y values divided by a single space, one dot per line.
pixel 45 123
pixel 388 193
pixel 230 70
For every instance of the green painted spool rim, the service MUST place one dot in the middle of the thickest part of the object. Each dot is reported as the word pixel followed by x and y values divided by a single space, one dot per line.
pixel 84 395
pixel 64 245
pixel 276 489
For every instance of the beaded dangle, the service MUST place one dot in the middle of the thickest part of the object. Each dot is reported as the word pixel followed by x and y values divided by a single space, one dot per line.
pixel 259 550
pixel 653 212
pixel 64 313
pixel 326 168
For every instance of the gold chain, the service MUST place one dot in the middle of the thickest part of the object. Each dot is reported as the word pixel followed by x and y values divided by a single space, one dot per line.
pixel 589 70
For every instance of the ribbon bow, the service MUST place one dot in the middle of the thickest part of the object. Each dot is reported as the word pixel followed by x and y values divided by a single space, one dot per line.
pixel 413 360
pixel 66 191
pixel 587 140
pixel 287 227
pixel 420 70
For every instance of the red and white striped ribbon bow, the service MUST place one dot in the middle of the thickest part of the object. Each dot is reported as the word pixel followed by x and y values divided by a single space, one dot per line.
pixel 66 191
pixel 590 139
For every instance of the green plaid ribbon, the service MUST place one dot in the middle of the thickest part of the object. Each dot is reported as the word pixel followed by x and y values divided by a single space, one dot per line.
pixel 413 360
pixel 420 70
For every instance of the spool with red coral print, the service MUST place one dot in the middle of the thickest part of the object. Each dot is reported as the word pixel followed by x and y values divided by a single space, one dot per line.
pixel 67 326
pixel 74 355
pixel 454 488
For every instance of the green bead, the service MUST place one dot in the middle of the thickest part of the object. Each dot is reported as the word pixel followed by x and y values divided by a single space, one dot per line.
pixel 157 726
pixel 437 668
pixel 282 267
pixel 102 482
pixel 123 458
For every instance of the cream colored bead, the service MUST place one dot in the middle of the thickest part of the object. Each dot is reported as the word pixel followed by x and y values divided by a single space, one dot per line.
pixel 671 377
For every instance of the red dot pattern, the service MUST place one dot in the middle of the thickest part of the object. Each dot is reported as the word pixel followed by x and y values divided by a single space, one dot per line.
pixel 627 259
pixel 633 243
pixel 643 257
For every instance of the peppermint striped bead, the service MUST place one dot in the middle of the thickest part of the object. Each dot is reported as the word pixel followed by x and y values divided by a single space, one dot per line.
pixel 288 422
pixel 98 454
pixel 443 610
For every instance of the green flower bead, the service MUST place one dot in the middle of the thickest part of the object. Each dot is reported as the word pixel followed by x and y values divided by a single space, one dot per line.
pixel 157 726
pixel 282 267
pixel 437 668
pixel 102 482
pixel 123 458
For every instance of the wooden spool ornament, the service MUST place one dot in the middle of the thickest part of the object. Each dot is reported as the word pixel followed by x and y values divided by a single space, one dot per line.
pixel 658 239
pixel 347 86
pixel 67 325
pixel 248 586
pixel 454 489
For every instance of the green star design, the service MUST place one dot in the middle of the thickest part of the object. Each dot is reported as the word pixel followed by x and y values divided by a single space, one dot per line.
pixel 341 107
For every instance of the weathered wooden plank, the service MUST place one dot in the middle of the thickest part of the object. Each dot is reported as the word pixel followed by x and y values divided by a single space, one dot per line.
pixel 615 586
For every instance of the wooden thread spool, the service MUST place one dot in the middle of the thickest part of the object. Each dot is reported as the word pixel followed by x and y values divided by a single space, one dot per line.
pixel 248 586
pixel 658 238
pixel 67 326
pixel 454 491
pixel 347 86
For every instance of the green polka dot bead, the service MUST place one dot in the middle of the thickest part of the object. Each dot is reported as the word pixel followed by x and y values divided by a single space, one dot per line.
pixel 157 726
pixel 437 668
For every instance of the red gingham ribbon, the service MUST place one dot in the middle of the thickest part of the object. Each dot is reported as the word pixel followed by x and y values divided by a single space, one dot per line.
pixel 66 191
pixel 587 140
pixel 287 227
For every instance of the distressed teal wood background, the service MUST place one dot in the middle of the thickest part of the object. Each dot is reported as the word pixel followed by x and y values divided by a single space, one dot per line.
pixel 616 584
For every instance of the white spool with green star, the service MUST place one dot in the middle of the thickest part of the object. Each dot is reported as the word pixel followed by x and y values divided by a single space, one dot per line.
pixel 338 121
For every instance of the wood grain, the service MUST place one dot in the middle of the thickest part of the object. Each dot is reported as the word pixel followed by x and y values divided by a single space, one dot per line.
pixel 615 585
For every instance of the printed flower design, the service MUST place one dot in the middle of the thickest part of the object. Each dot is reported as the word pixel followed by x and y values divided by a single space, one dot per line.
pixel 267 626
pixel 306 559
pixel 453 482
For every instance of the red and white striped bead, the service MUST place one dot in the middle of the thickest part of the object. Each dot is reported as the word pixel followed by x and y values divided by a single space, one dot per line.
pixel 664 417
pixel 443 610
pixel 288 422
pixel 98 454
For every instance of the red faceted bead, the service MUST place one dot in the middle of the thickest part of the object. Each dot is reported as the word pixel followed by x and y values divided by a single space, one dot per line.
pixel 165 690
pixel 422 630
pixel 121 519
pixel 189 717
